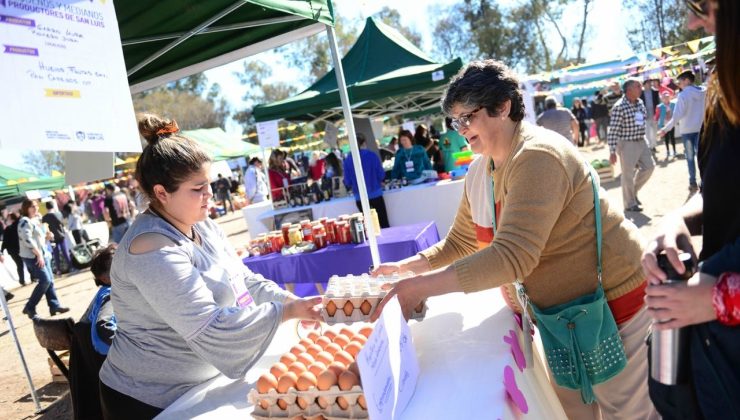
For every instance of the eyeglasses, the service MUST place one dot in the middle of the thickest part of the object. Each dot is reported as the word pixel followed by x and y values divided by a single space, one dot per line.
pixel 463 121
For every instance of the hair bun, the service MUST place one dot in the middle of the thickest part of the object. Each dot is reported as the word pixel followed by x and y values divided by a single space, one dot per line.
pixel 152 127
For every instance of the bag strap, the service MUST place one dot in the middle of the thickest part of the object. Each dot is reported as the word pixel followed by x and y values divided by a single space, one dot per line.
pixel 597 213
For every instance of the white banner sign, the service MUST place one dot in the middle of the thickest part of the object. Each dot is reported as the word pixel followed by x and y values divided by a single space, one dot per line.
pixel 267 134
pixel 330 134
pixel 64 75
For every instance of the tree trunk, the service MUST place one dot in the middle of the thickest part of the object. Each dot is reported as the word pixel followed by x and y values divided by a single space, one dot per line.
pixel 586 3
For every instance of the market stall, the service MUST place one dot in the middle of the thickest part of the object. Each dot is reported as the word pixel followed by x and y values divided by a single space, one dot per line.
pixel 437 201
pixel 306 274
pixel 462 356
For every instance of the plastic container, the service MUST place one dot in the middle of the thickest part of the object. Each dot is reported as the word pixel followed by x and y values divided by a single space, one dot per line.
pixel 312 409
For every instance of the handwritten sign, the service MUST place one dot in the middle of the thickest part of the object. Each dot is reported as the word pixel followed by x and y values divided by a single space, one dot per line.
pixel 64 74
pixel 388 365
pixel 267 134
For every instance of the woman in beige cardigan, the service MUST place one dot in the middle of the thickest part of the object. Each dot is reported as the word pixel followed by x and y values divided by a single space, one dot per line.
pixel 545 232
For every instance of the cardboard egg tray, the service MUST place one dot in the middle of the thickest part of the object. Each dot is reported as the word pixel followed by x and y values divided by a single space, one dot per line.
pixel 363 292
pixel 332 411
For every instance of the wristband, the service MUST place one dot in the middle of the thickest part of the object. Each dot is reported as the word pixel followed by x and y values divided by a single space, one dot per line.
pixel 726 299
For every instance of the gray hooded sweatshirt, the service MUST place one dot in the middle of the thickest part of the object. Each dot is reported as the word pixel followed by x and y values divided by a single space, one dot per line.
pixel 689 110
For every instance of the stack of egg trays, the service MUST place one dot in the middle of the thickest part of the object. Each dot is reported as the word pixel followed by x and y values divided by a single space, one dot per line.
pixel 357 290
pixel 332 411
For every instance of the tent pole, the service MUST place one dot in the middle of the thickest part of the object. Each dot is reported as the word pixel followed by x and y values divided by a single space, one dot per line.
pixel 11 328
pixel 356 162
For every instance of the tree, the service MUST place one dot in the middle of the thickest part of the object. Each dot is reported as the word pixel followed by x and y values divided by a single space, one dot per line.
pixel 392 18
pixel 658 23
pixel 258 91
pixel 44 162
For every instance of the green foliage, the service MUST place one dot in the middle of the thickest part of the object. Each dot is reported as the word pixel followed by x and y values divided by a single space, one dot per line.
pixel 658 23
pixel 258 91
pixel 44 162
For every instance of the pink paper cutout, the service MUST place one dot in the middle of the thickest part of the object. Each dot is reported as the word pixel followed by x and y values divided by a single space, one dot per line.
pixel 513 391
pixel 516 350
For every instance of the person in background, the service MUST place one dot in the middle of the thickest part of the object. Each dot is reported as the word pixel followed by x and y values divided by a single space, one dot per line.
pixel 11 244
pixel 708 305
pixel 544 232
pixel 449 143
pixel 74 222
pixel 279 178
pixel 100 311
pixel 36 257
pixel 626 138
pixel 600 115
pixel 116 211
pixel 559 120
pixel 651 98
pixel 579 111
pixel 334 170
pixel 663 113
pixel 97 206
pixel 411 159
pixel 421 137
pixel 290 165
pixel 223 192
pixel 255 185
pixel 435 154
pixel 393 145
pixel 53 218
pixel 374 174
pixel 615 93
pixel 187 308
pixel 316 165
pixel 690 111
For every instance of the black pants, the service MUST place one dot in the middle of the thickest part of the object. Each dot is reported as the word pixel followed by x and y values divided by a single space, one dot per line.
pixel 19 266
pixel 118 406
pixel 379 205
pixel 670 139
pixel 79 235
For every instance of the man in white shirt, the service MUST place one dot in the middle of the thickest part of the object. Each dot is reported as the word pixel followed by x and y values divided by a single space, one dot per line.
pixel 255 185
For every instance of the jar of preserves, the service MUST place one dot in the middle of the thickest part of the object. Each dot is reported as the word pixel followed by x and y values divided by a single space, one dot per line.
pixel 285 229
pixel 330 234
pixel 319 236
pixel 307 230
pixel 343 233
pixel 295 236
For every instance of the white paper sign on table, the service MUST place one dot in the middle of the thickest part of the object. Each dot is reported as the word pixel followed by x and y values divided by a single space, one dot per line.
pixel 63 71
pixel 388 365
pixel 267 134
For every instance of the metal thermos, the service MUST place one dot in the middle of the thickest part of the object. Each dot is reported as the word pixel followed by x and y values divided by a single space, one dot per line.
pixel 670 348
pixel 357 229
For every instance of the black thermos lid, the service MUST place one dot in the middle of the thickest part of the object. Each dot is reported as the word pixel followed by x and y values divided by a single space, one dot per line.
pixel 671 272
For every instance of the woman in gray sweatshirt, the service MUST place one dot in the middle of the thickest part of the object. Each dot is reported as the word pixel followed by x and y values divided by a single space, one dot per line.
pixel 187 307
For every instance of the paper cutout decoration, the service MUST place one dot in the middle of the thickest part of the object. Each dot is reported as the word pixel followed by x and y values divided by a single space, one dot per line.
pixel 513 391
pixel 516 350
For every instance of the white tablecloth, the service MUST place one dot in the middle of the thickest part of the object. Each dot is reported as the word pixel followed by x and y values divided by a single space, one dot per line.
pixel 413 204
pixel 461 356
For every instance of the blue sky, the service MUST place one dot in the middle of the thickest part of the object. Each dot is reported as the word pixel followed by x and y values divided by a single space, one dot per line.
pixel 607 40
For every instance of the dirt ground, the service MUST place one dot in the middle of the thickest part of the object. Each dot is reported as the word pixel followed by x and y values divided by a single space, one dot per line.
pixel 666 190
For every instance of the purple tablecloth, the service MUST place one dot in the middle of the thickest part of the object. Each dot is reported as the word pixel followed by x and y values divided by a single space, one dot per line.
pixel 394 243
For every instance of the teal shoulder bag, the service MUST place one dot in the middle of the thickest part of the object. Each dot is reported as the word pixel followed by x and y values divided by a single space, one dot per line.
pixel 580 337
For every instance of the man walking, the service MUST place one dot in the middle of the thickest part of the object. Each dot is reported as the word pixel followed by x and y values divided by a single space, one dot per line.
pixel 11 244
pixel 223 192
pixel 626 138
pixel 255 184
pixel 689 111
pixel 53 219
pixel 651 99
pixel 559 120
pixel 600 115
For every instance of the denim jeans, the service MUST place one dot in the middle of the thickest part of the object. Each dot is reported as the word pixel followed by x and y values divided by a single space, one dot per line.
pixel 45 286
pixel 691 145
pixel 61 247
pixel 118 231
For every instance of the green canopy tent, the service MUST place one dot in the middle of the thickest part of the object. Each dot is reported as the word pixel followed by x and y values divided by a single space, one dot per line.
pixel 8 174
pixel 386 75
pixel 167 40
pixel 45 184
pixel 220 145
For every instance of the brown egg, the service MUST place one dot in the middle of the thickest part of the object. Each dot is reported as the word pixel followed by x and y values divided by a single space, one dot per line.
pixel 361 401
pixel 323 341
pixel 286 382
pixel 325 401
pixel 354 368
pixel 333 348
pixel 314 349
pixel 347 380
pixel 324 357
pixel 359 338
pixel 330 334
pixel 341 339
pixel 348 308
pixel 305 358
pixel 264 404
pixel 305 381
pixel 303 403
pixel 343 357
pixel 266 382
pixel 282 404
pixel 288 358
pixel 313 335
pixel 353 348
pixel 366 307
pixel 297 349
pixel 298 417
pixel 337 368
pixel 305 342
pixel 331 308
pixel 347 332
pixel 342 402
pixel 297 367
pixel 316 368
pixel 419 308
pixel 326 380
pixel 366 331
pixel 278 369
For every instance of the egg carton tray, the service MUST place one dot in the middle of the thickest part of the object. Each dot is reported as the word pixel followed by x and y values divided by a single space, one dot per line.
pixel 333 410
pixel 353 298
